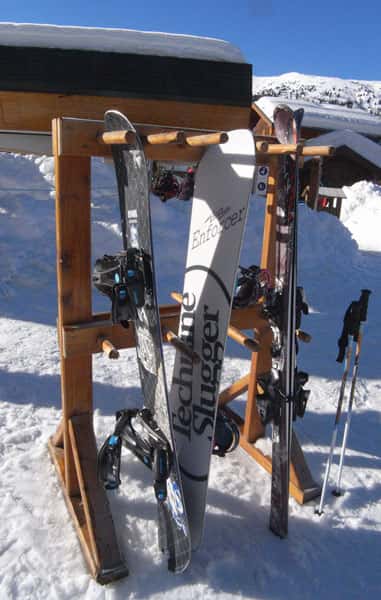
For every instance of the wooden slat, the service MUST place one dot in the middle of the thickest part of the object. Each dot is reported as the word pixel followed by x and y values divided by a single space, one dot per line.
pixel 76 510
pixel 102 536
pixel 34 111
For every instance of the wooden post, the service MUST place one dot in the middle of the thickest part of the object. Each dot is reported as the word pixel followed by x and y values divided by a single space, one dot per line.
pixel 261 362
pixel 76 461
pixel 73 282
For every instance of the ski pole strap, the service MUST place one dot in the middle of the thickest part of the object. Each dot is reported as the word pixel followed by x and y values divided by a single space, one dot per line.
pixel 355 314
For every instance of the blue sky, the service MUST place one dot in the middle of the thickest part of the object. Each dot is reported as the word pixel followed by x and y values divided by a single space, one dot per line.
pixel 329 37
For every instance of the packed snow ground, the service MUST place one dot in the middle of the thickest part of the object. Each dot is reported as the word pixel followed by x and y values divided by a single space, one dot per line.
pixel 336 556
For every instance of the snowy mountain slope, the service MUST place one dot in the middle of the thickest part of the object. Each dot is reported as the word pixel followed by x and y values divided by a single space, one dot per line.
pixel 336 556
pixel 364 95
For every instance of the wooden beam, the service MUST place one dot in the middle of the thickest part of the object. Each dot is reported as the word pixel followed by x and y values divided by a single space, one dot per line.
pixel 86 337
pixel 234 390
pixel 81 138
pixel 34 111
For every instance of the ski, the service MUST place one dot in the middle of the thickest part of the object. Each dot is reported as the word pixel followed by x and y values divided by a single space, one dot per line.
pixel 128 279
pixel 285 389
pixel 223 183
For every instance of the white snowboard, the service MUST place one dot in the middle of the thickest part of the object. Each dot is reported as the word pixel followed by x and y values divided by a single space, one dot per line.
pixel 223 186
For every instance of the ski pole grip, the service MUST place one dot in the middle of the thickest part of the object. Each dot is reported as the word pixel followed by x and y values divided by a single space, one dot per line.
pixel 364 299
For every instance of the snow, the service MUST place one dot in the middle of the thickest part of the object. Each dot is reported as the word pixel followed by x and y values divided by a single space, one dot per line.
pixel 365 95
pixel 326 116
pixel 335 556
pixel 362 198
pixel 356 142
pixel 118 40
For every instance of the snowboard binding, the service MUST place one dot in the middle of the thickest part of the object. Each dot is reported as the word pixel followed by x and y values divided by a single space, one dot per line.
pixel 252 284
pixel 138 431
pixel 126 279
pixel 269 398
pixel 226 435
pixel 166 184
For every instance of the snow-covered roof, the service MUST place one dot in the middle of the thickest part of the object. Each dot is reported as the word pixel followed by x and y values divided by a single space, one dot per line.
pixel 326 116
pixel 118 40
pixel 352 140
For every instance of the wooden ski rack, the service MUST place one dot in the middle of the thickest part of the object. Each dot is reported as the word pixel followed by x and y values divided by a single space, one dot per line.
pixel 81 333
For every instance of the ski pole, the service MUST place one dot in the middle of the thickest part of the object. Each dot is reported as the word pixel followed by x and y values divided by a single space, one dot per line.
pixel 363 315
pixel 319 511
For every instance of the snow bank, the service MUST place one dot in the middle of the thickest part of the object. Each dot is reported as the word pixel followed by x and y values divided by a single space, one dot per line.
pixel 118 40
pixel 361 214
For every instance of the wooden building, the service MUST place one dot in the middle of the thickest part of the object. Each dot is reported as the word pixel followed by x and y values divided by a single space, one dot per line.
pixel 355 135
